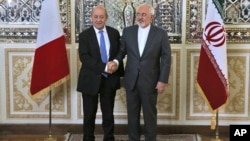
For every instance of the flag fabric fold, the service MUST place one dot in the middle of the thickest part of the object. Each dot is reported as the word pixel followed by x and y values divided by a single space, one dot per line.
pixel 50 62
pixel 212 74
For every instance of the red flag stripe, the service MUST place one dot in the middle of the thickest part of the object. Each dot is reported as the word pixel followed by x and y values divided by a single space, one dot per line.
pixel 211 80
pixel 47 57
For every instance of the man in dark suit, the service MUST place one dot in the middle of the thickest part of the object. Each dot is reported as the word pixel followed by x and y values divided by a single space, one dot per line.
pixel 147 70
pixel 94 79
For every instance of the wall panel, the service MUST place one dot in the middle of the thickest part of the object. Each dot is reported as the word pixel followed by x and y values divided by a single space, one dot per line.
pixel 238 101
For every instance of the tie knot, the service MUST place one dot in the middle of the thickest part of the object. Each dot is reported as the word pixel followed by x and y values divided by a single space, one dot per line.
pixel 101 31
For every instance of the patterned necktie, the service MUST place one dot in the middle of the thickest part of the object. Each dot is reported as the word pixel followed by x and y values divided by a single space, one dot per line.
pixel 103 50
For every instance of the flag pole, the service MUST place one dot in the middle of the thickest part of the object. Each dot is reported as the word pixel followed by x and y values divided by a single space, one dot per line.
pixel 217 134
pixel 50 138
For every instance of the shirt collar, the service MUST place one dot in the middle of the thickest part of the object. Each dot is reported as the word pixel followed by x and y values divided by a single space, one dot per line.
pixel 145 29
pixel 97 30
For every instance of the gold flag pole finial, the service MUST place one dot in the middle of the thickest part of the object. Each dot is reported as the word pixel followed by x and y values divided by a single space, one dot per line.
pixel 50 138
pixel 213 122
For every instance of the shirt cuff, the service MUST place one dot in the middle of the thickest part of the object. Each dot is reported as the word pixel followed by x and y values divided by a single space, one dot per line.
pixel 117 62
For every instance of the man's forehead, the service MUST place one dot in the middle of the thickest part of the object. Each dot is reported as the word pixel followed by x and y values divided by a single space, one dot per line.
pixel 143 8
pixel 98 10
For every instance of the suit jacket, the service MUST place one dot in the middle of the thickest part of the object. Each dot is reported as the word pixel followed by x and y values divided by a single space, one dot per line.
pixel 153 65
pixel 90 74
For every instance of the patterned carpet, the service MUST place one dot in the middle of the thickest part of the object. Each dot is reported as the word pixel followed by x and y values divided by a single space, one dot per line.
pixel 172 137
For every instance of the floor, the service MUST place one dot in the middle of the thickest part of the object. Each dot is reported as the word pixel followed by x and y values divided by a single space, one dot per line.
pixel 61 138
pixel 213 138
pixel 30 138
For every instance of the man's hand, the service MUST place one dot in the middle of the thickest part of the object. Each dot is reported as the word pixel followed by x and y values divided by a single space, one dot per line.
pixel 112 67
pixel 160 87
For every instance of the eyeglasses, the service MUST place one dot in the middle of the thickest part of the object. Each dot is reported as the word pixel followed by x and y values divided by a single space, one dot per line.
pixel 141 14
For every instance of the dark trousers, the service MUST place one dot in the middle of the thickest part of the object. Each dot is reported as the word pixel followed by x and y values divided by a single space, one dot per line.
pixel 90 105
pixel 137 98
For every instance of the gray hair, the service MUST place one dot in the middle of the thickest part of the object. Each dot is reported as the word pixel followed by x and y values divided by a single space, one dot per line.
pixel 151 8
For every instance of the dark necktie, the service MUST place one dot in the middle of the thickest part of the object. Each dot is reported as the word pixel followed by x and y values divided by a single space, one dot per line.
pixel 103 50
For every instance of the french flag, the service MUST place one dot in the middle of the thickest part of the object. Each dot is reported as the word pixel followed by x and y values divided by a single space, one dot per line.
pixel 50 62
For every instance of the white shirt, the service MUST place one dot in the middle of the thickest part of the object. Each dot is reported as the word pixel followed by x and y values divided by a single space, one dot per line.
pixel 142 38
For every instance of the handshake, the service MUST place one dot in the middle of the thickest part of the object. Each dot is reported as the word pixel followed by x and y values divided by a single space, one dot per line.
pixel 111 66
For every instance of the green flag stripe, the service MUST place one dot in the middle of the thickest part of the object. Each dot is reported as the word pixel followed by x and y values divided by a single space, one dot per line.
pixel 219 6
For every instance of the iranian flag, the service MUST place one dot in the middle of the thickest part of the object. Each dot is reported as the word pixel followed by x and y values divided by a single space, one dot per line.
pixel 212 74
pixel 50 66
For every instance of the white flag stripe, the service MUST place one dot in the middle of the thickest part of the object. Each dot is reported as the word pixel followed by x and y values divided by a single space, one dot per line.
pixel 49 14
pixel 218 52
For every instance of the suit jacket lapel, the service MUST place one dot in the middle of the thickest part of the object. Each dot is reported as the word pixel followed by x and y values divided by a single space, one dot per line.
pixel 135 40
pixel 111 39
pixel 95 41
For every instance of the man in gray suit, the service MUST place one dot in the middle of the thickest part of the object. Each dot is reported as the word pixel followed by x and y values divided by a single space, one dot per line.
pixel 147 70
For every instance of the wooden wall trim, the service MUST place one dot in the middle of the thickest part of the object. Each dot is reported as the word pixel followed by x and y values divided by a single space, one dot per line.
pixel 119 129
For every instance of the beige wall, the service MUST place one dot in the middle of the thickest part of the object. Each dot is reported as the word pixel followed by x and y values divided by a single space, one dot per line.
pixel 181 103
